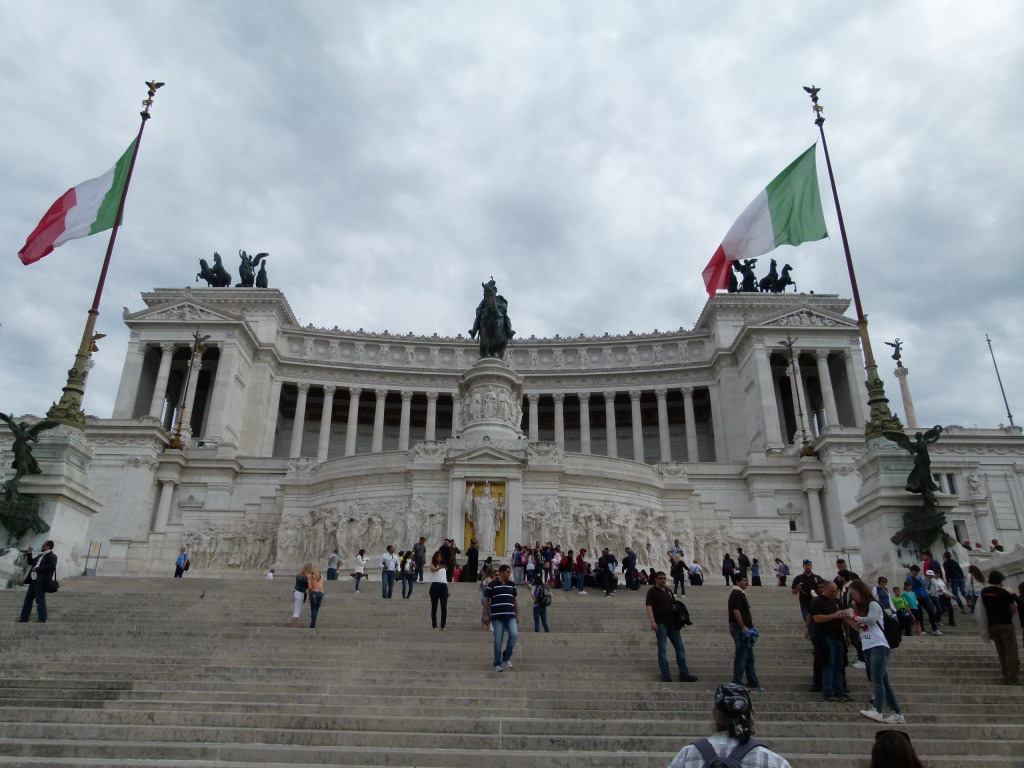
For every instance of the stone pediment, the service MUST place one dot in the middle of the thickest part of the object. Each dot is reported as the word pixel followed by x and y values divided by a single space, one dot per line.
pixel 808 318
pixel 181 311
pixel 486 451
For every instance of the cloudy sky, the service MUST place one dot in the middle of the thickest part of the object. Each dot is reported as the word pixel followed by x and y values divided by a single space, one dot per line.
pixel 390 156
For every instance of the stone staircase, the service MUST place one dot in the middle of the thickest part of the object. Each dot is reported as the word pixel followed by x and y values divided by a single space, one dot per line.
pixel 206 671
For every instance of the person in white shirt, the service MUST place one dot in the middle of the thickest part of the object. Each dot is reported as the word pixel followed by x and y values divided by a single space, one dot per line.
pixel 734 725
pixel 360 569
pixel 388 569
pixel 866 617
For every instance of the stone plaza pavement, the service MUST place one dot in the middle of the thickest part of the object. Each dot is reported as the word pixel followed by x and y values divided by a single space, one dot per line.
pixel 206 671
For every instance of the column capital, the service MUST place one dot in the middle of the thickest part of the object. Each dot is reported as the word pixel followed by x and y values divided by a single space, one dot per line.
pixel 820 354
pixel 584 397
pixel 432 397
pixel 303 388
pixel 533 397
pixel 167 346
pixel 354 392
pixel 407 394
pixel 634 394
pixel 661 393
pixel 687 391
pixel 559 397
pixel 329 390
pixel 609 395
pixel 381 394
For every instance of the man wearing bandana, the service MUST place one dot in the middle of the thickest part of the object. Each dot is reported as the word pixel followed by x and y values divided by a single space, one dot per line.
pixel 734 725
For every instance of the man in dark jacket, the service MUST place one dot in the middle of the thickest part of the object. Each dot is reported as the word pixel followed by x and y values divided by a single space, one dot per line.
pixel 954 578
pixel 43 570
pixel 999 610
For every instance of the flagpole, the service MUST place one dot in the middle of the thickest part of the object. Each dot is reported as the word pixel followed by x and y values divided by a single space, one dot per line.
pixel 1000 380
pixel 69 410
pixel 880 417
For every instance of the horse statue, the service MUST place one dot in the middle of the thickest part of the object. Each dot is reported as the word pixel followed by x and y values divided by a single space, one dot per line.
pixel 215 277
pixel 492 322
pixel 768 282
pixel 784 280
pixel 261 276
pixel 749 282
pixel 734 285
pixel 247 269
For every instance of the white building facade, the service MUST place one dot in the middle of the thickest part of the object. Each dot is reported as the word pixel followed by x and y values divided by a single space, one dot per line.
pixel 300 440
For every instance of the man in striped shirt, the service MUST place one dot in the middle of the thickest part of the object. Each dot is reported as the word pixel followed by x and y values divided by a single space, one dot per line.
pixel 501 608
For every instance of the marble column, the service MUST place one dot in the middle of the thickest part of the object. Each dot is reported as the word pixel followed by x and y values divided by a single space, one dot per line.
pixel 817 520
pixel 156 404
pixel 456 414
pixel 717 423
pixel 559 420
pixel 131 379
pixel 663 435
pixel 163 508
pixel 638 427
pixel 800 404
pixel 299 424
pixel 609 419
pixel 190 395
pixel 692 451
pixel 221 408
pixel 584 422
pixel 431 416
pixel 403 426
pixel 769 405
pixel 908 403
pixel 270 423
pixel 352 428
pixel 324 445
pixel 828 394
pixel 858 390
pixel 532 399
pixel 378 421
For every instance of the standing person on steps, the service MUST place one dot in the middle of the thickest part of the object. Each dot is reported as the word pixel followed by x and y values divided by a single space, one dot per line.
pixel 388 569
pixel 315 589
pixel 999 607
pixel 300 591
pixel 662 621
pixel 360 570
pixel 744 635
pixel 501 612
pixel 866 616
pixel 42 570
pixel 181 564
pixel 438 590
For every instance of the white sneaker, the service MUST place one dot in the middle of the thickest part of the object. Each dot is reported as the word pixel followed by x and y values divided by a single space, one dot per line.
pixel 498 668
pixel 858 665
pixel 894 719
pixel 872 714
pixel 508 665
pixel 936 632
pixel 582 592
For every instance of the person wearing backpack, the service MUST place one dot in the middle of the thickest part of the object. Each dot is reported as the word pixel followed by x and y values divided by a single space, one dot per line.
pixel 541 601
pixel 730 746
pixel 867 617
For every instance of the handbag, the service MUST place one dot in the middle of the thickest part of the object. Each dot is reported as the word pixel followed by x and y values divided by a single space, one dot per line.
pixel 51 586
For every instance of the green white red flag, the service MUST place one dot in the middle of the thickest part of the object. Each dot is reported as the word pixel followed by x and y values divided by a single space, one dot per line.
pixel 787 211
pixel 83 210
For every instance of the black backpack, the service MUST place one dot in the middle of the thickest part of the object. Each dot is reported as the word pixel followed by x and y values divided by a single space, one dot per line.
pixel 543 596
pixel 893 631
pixel 712 760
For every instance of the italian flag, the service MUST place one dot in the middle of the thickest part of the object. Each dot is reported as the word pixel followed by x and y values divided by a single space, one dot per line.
pixel 84 210
pixel 788 210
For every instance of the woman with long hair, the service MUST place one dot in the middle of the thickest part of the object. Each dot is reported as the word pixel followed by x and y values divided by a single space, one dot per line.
pixel 438 590
pixel 299 594
pixel 867 617
pixel 315 586
pixel 893 750
pixel 408 569
pixel 360 571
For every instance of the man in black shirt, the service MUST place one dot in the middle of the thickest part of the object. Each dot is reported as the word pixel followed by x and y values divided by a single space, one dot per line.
pixel 999 608
pixel 954 578
pixel 805 584
pixel 829 642
pixel 660 615
pixel 744 635
pixel 43 570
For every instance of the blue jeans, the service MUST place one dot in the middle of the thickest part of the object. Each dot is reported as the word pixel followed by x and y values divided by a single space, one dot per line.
pixel 878 668
pixel 580 580
pixel 959 587
pixel 501 626
pixel 359 577
pixel 408 582
pixel 743 660
pixel 332 574
pixel 540 616
pixel 387 584
pixel 671 634
pixel 833 674
pixel 315 598
pixel 37 594
pixel 567 581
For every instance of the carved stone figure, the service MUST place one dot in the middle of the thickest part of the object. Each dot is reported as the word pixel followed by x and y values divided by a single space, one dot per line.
pixel 216 276
pixel 24 462
pixel 492 322
pixel 486 518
